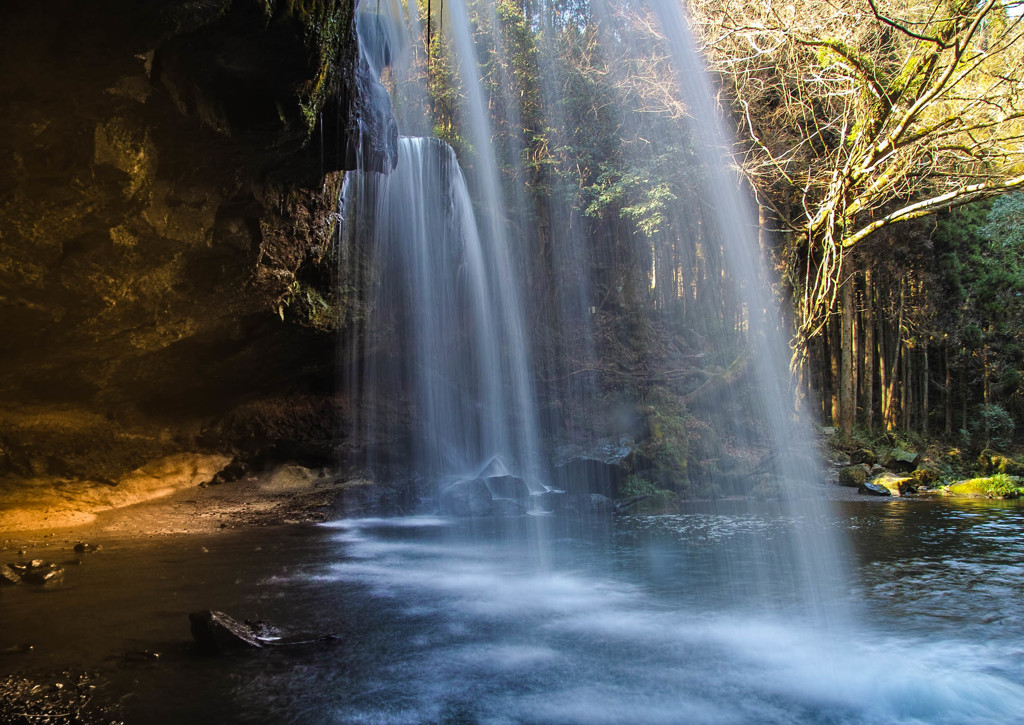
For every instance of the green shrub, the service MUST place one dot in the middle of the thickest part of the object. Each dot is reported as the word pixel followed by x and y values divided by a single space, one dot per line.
pixel 991 426
pixel 637 486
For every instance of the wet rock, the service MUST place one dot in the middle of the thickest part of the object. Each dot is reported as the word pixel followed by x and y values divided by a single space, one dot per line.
pixel 863 455
pixel 550 501
pixel 38 572
pixel 901 460
pixel 510 487
pixel 495 467
pixel 853 476
pixel 598 467
pixel 83 548
pixel 873 489
pixel 217 632
pixel 471 497
pixel 601 505
pixel 896 485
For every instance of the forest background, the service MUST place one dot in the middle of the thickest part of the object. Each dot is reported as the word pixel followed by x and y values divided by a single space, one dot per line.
pixel 882 142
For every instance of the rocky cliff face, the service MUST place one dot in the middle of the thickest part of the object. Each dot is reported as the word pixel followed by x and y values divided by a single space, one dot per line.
pixel 169 176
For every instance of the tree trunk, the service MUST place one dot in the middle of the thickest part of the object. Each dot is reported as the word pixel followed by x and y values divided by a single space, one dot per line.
pixel 847 380
pixel 963 399
pixel 948 391
pixel 906 389
pixel 869 351
pixel 924 387
pixel 835 365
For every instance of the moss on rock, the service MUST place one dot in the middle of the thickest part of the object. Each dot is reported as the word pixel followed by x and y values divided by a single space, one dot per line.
pixel 997 486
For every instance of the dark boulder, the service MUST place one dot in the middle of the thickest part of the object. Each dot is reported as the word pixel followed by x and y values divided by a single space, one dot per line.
pixel 598 467
pixel 873 489
pixel 551 501
pixel 495 467
pixel 900 460
pixel 470 497
pixel 511 487
pixel 853 476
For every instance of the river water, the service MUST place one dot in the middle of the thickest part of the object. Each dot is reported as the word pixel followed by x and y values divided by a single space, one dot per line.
pixel 536 619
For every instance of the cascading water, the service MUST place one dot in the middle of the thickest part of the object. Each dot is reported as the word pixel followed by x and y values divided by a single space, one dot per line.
pixel 435 298
pixel 723 613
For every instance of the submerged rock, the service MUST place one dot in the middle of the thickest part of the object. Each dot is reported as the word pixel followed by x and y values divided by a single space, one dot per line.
pixel 83 548
pixel 217 632
pixel 470 497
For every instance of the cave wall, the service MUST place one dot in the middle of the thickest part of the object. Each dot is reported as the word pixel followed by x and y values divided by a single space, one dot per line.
pixel 169 177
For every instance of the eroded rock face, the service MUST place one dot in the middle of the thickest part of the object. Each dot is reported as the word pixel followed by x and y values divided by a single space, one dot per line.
pixel 169 177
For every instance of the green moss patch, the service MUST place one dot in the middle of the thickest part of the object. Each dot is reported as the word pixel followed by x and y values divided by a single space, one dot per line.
pixel 997 486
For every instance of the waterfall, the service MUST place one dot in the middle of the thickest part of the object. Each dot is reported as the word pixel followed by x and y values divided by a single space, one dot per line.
pixel 440 321
pixel 443 363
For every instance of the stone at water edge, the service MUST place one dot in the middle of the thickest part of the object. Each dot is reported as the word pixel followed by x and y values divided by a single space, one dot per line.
pixel 873 489
pixel 897 485
pixel 983 488
pixel 215 631
pixel 853 476
pixel 83 548
pixel 470 497
pixel 37 572
pixel 551 501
